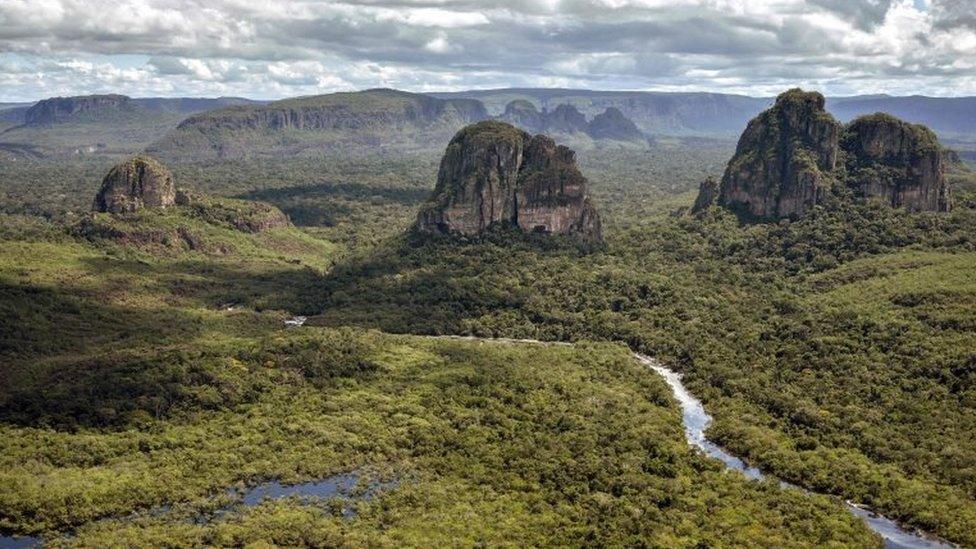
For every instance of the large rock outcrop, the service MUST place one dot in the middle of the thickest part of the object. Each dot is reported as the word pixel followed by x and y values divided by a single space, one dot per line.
pixel 137 183
pixel 612 124
pixel 899 163
pixel 57 110
pixel 707 195
pixel 523 114
pixel 784 160
pixel 495 174
pixel 567 120
pixel 346 123
pixel 789 159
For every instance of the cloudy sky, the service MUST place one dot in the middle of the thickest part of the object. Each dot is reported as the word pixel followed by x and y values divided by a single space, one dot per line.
pixel 278 48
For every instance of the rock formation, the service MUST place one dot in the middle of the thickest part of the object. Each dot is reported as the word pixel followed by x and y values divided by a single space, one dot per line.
pixel 495 174
pixel 707 194
pixel 565 119
pixel 137 183
pixel 612 124
pixel 523 114
pixel 57 110
pixel 784 160
pixel 340 122
pixel 896 162
pixel 787 161
pixel 342 111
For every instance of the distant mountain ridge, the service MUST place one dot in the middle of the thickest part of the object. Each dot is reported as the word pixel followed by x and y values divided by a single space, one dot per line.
pixel 715 114
pixel 385 119
pixel 374 119
pixel 109 124
pixel 567 120
pixel 106 107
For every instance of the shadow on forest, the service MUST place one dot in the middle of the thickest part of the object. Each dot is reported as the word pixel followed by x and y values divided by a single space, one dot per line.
pixel 316 205
pixel 424 285
pixel 144 339
pixel 74 356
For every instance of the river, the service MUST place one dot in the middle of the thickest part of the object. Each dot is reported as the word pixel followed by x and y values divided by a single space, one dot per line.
pixel 696 420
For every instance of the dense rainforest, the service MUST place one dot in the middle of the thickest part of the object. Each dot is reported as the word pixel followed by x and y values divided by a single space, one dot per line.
pixel 146 354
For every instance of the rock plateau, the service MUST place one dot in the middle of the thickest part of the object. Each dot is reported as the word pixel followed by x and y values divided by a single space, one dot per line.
pixel 495 174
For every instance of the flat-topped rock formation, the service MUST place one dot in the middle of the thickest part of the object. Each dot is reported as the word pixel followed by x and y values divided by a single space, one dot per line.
pixel 495 174
pixel 57 110
pixel 347 122
pixel 795 154
pixel 523 114
pixel 899 163
pixel 140 182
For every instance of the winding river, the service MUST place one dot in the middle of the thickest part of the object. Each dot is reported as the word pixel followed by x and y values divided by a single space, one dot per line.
pixel 696 420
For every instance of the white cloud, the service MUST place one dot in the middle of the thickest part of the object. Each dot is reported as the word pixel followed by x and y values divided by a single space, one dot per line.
pixel 271 49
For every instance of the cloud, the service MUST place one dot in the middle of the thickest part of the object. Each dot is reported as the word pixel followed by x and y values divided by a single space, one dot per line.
pixel 274 49
pixel 951 14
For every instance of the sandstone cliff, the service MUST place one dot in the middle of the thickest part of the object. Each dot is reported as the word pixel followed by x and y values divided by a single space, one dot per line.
pixel 707 195
pixel 784 161
pixel 137 183
pixel 612 124
pixel 523 114
pixel 58 110
pixel 795 155
pixel 567 119
pixel 896 162
pixel 340 122
pixel 495 174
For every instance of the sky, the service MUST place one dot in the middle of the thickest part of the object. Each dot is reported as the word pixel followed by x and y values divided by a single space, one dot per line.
pixel 268 49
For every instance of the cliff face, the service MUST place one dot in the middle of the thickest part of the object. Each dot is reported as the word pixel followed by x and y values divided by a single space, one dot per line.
pixel 493 173
pixel 340 122
pixel 784 160
pixel 567 119
pixel 342 111
pixel 787 161
pixel 62 109
pixel 896 162
pixel 523 114
pixel 612 124
pixel 707 195
pixel 137 183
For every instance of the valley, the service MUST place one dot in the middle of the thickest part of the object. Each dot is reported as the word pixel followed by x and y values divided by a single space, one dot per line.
pixel 145 353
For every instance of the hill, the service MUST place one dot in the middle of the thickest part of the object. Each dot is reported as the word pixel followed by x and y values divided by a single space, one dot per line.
pixel 716 114
pixel 569 126
pixel 105 125
pixel 378 119
pixel 654 113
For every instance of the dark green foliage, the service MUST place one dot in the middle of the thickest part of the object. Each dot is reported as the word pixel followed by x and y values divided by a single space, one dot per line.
pixel 836 351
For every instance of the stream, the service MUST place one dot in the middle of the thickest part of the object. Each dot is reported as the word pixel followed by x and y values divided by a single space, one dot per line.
pixel 696 420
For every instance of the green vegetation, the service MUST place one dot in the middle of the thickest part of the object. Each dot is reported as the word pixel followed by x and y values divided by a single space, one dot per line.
pixel 130 385
pixel 811 370
pixel 142 368
pixel 353 123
